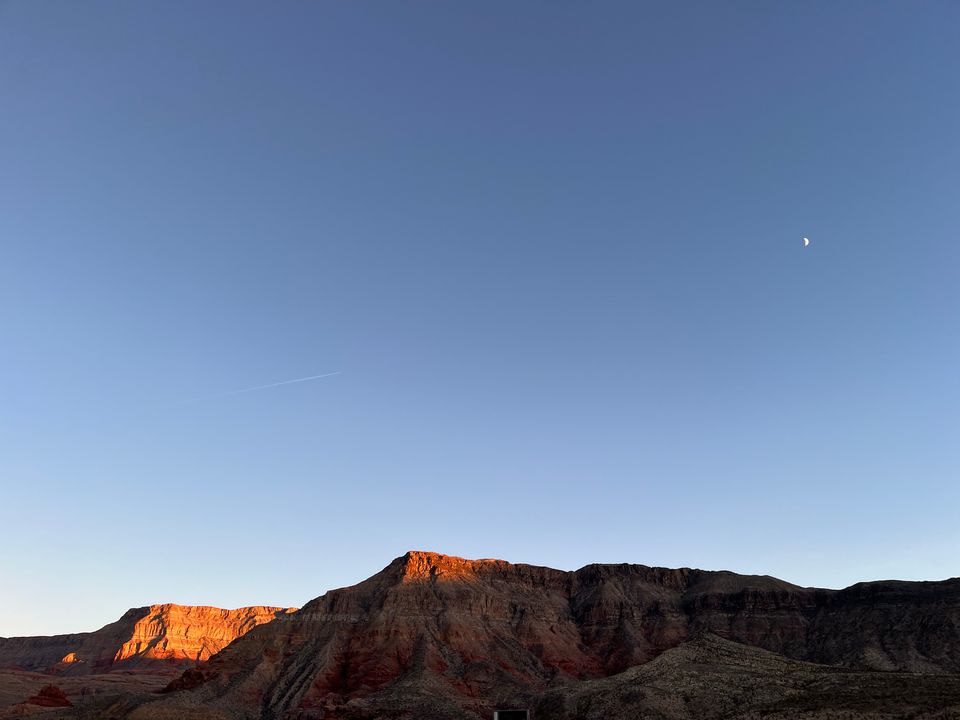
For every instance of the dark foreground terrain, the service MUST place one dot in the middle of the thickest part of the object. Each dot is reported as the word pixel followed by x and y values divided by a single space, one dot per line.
pixel 433 636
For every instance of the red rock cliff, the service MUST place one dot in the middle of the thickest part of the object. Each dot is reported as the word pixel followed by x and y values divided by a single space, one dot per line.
pixel 158 634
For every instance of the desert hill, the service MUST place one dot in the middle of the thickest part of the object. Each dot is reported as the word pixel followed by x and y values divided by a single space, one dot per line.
pixel 709 678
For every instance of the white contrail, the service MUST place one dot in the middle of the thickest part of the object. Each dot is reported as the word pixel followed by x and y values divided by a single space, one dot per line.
pixel 276 384
pixel 262 387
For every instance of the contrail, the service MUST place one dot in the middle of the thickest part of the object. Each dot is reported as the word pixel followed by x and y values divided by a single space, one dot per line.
pixel 263 387
pixel 276 384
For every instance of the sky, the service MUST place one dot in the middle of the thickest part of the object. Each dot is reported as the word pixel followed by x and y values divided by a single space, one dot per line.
pixel 553 252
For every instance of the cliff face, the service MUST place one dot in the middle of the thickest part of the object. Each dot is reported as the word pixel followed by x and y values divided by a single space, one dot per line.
pixel 192 633
pixel 158 634
pixel 460 636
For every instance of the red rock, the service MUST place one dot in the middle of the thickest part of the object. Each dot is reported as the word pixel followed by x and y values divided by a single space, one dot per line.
pixel 169 635
pixel 50 696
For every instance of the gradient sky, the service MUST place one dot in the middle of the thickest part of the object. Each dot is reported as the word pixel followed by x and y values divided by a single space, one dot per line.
pixel 554 250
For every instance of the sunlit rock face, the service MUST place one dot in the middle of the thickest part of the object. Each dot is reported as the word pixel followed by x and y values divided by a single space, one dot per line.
pixel 466 636
pixel 188 632
pixel 159 634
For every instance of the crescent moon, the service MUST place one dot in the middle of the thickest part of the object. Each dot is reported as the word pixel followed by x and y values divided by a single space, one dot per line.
pixel 806 241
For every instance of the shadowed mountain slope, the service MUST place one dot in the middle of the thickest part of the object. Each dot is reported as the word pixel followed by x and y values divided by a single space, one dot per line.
pixel 709 678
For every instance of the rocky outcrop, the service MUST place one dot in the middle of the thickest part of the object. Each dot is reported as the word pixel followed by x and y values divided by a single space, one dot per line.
pixel 174 635
pixel 49 696
pixel 461 636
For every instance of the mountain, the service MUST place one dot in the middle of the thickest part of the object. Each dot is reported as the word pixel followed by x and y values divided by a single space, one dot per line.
pixel 157 635
pixel 433 636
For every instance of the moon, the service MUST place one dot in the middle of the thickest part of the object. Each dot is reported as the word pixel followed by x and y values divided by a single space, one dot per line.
pixel 806 241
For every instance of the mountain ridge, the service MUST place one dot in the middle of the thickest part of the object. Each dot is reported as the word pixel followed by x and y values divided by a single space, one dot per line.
pixel 450 637
pixel 477 634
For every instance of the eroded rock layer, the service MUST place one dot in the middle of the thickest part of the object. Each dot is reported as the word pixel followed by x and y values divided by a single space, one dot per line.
pixel 167 634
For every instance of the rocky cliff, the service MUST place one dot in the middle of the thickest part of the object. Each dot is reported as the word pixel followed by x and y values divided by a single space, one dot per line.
pixel 157 634
pixel 453 638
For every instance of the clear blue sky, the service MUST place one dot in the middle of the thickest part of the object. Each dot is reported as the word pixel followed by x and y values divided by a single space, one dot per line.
pixel 554 250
